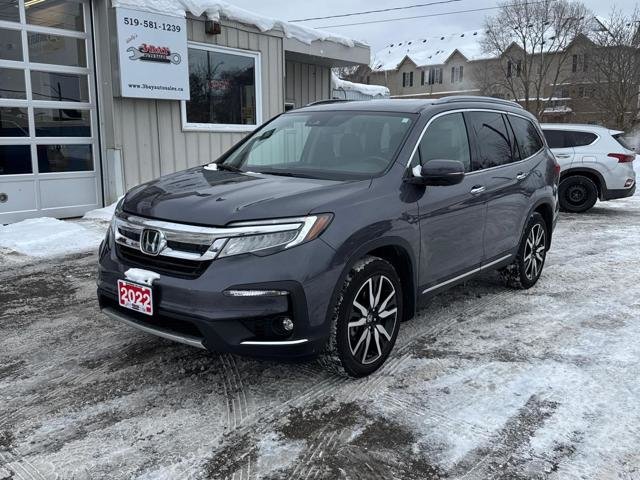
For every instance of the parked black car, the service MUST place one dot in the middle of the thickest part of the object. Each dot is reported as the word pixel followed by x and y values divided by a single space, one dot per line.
pixel 328 226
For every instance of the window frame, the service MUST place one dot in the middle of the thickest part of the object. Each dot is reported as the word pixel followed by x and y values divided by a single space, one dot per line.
pixel 227 127
pixel 472 141
pixel 431 121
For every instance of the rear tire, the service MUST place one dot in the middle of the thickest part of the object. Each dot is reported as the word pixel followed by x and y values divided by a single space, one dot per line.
pixel 577 194
pixel 526 269
pixel 366 318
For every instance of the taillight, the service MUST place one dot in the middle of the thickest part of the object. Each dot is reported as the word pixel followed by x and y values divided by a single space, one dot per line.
pixel 623 157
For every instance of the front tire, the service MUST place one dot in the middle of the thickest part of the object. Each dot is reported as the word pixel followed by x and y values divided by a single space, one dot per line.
pixel 525 271
pixel 577 194
pixel 366 318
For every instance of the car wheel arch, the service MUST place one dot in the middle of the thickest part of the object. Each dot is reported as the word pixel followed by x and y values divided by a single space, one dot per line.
pixel 590 173
pixel 396 251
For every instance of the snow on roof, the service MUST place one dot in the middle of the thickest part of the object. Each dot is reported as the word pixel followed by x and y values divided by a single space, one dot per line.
pixel 429 51
pixel 373 90
pixel 215 10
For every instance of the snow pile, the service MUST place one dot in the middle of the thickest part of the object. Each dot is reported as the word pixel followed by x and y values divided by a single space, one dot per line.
pixel 101 214
pixel 48 237
pixel 217 10
pixel 373 90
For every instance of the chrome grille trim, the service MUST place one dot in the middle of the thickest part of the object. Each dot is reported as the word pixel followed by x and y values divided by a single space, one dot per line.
pixel 210 239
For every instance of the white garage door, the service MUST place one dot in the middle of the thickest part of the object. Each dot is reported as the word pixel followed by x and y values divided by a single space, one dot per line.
pixel 48 125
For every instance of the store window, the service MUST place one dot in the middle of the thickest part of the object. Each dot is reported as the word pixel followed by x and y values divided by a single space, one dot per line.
pixel 225 90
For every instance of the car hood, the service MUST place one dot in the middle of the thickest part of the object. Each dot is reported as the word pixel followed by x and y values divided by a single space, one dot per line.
pixel 215 198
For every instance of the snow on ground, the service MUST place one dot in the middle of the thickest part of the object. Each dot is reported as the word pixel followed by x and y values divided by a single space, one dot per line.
pixel 486 382
pixel 46 237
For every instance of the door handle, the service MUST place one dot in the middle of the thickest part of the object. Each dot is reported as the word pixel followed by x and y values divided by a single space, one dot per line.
pixel 562 155
pixel 521 176
pixel 477 189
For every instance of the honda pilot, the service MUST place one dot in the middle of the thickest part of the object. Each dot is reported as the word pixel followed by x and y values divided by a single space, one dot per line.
pixel 330 225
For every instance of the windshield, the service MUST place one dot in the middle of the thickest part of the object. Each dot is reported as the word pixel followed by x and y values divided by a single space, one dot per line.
pixel 336 145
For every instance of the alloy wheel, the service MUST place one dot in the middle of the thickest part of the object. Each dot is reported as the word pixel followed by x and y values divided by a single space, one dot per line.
pixel 373 319
pixel 534 251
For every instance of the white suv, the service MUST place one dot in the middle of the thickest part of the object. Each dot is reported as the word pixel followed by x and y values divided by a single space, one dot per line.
pixel 595 164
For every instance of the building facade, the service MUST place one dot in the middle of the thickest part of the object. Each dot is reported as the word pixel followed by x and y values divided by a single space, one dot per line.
pixel 455 65
pixel 70 141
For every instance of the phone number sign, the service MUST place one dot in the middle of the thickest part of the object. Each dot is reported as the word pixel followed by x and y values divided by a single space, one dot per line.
pixel 152 50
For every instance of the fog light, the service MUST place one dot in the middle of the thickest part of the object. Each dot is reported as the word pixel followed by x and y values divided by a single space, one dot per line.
pixel 287 324
pixel 628 183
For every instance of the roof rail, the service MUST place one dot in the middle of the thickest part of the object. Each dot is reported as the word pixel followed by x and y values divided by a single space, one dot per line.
pixel 476 98
pixel 324 102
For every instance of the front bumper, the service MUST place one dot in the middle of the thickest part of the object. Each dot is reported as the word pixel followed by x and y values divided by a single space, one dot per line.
pixel 196 310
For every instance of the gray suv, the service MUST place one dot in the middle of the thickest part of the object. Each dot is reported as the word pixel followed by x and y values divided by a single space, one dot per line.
pixel 330 225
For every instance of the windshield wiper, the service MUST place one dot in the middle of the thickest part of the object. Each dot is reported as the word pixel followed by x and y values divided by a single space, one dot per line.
pixel 286 174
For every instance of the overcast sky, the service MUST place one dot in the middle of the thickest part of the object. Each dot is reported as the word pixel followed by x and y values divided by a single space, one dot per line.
pixel 380 34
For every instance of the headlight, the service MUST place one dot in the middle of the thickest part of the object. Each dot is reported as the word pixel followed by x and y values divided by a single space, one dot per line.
pixel 273 235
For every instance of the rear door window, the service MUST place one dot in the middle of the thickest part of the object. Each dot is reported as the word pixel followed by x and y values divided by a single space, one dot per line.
pixel 556 138
pixel 527 137
pixel 493 144
pixel 569 138
pixel 580 139
pixel 446 139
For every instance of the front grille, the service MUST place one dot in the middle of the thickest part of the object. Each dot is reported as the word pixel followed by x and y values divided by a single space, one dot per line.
pixel 171 266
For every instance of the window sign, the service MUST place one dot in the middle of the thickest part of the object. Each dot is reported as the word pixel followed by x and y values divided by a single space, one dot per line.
pixel 152 49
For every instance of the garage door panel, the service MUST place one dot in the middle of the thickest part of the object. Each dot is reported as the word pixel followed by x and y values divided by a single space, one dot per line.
pixel 67 192
pixel 17 196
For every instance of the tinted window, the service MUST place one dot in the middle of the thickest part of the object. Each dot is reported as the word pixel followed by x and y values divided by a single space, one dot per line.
pixel 493 145
pixel 63 87
pixel 56 49
pixel 223 88
pixel 446 139
pixel 10 45
pixel 64 158
pixel 15 159
pixel 529 142
pixel 62 122
pixel 14 122
pixel 12 83
pixel 579 139
pixel 556 138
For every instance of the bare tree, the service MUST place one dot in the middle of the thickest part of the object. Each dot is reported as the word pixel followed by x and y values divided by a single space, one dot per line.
pixel 615 71
pixel 531 40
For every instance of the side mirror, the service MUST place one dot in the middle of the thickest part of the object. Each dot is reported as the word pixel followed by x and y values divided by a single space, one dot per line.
pixel 437 173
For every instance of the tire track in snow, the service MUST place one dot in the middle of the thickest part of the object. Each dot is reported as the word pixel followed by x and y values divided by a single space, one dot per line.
pixel 19 466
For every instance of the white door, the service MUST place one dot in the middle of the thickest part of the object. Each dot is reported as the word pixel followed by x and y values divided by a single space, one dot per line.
pixel 49 156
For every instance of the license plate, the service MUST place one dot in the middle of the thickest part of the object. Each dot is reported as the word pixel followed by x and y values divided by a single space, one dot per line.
pixel 135 297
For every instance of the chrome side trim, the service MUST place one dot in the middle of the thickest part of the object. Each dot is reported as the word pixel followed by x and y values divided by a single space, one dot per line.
pixel 186 339
pixel 471 272
pixel 274 343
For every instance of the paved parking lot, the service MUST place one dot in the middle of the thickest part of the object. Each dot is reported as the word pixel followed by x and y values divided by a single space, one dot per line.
pixel 486 383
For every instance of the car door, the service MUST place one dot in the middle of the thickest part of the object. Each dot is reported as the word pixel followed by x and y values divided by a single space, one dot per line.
pixel 499 168
pixel 560 143
pixel 451 217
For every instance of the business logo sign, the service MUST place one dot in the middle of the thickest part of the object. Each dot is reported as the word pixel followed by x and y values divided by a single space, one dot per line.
pixel 152 49
pixel 151 53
